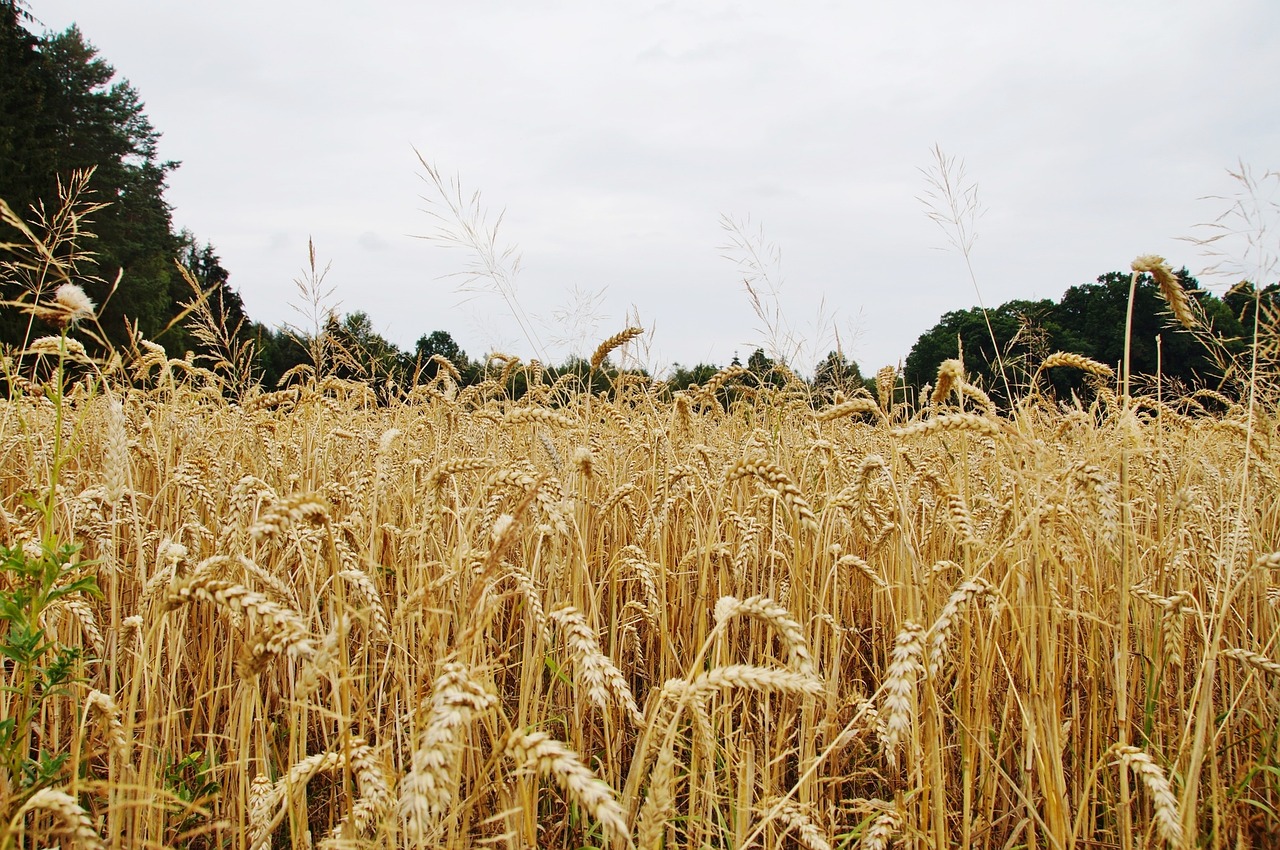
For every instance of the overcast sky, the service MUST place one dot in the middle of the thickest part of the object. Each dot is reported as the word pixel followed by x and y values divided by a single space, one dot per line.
pixel 617 136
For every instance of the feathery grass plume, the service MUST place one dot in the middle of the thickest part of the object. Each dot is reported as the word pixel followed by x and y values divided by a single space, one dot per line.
pixel 960 599
pixel 900 686
pixel 1253 659
pixel 984 425
pixel 614 342
pixel 1170 288
pixel 594 670
pixel 75 821
pixel 950 376
pixel 426 792
pixel 766 610
pixel 539 752
pixel 70 305
pixel 1163 801
pixel 778 480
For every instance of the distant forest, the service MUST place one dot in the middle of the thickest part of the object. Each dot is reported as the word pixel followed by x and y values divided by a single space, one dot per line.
pixel 75 139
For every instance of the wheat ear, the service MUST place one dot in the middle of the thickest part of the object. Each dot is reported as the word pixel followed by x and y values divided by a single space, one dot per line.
pixel 1170 288
pixel 538 751
pixel 426 792
pixel 765 609
pixel 614 342
pixel 899 686
pixel 595 670
pixel 1168 821
pixel 76 823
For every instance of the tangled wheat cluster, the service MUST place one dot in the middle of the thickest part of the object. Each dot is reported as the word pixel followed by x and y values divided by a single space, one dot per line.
pixel 735 616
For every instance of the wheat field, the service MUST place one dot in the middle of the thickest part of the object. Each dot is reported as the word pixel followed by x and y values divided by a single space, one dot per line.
pixel 733 616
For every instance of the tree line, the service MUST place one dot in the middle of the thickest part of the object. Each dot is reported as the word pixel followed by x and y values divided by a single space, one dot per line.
pixel 63 115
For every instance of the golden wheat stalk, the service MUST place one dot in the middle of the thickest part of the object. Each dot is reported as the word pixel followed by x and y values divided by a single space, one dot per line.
pixel 659 801
pixel 777 480
pixel 1254 659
